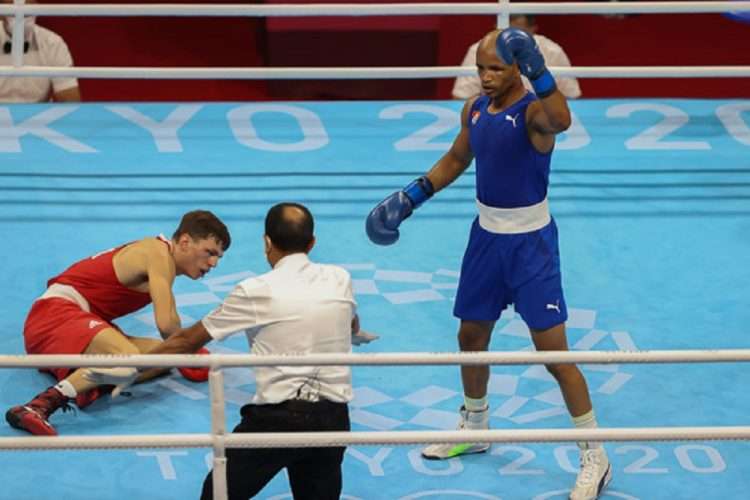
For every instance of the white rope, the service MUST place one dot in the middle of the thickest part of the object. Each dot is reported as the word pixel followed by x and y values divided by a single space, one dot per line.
pixel 329 439
pixel 499 435
pixel 373 359
pixel 364 9
pixel 652 71
pixel 348 73
pixel 106 442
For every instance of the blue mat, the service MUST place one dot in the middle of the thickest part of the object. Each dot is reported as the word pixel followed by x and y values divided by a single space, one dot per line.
pixel 651 198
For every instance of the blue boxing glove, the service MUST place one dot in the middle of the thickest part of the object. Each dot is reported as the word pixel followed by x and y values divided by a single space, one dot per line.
pixel 384 219
pixel 517 46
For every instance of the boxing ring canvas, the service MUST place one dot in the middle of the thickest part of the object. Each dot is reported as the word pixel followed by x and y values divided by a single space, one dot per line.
pixel 652 200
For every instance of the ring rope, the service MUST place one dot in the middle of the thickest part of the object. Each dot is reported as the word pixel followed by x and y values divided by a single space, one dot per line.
pixel 218 440
pixel 381 9
pixel 373 359
pixel 349 73
pixel 502 9
pixel 332 439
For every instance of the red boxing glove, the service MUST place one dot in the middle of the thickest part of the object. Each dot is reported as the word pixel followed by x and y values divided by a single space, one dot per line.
pixel 196 374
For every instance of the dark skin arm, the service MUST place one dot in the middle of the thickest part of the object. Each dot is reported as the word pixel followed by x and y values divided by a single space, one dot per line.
pixel 184 341
pixel 189 340
pixel 457 159
pixel 546 118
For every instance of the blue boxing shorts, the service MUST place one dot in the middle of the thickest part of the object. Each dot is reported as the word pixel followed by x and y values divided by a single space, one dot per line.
pixel 521 269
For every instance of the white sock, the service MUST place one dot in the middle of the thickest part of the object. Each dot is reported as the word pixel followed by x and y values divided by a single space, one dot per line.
pixel 66 388
pixel 472 404
pixel 587 421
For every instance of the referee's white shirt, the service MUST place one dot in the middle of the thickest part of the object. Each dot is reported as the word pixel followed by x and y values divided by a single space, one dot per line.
pixel 299 307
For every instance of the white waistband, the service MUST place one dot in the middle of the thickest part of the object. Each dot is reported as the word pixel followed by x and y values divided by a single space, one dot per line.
pixel 514 220
pixel 67 292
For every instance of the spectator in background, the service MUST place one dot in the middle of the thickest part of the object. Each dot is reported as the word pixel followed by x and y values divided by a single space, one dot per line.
pixel 41 47
pixel 470 86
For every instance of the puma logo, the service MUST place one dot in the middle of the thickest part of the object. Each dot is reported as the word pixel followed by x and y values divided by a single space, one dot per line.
pixel 94 323
pixel 512 119
pixel 554 307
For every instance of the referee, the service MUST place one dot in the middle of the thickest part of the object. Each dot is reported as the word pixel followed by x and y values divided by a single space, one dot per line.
pixel 298 307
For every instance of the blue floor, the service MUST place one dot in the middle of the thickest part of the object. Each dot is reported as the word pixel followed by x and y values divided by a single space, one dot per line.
pixel 652 199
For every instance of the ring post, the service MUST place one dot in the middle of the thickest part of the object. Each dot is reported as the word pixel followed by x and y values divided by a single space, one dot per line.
pixel 218 429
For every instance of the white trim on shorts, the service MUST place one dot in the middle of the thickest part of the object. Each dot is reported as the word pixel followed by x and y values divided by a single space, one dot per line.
pixel 514 220
pixel 67 292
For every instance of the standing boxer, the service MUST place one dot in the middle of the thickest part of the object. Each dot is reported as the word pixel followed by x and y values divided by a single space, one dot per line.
pixel 512 256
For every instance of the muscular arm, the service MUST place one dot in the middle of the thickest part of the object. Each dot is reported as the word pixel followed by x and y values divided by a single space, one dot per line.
pixel 161 273
pixel 382 224
pixel 550 115
pixel 184 341
pixel 458 158
pixel 545 118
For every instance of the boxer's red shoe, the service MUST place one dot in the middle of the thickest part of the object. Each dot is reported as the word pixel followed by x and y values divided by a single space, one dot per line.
pixel 33 416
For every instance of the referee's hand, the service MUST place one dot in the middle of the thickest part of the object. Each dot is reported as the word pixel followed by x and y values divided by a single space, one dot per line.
pixel 362 337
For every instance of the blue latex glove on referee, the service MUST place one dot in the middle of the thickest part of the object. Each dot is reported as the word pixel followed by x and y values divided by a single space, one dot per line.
pixel 517 46
pixel 383 221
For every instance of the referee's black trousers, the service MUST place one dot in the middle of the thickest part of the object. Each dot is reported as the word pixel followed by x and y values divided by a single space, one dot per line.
pixel 314 473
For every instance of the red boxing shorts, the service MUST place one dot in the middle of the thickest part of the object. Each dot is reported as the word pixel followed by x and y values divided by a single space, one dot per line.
pixel 59 326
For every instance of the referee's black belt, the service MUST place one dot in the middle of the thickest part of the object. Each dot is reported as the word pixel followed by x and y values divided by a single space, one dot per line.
pixel 302 405
pixel 299 406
